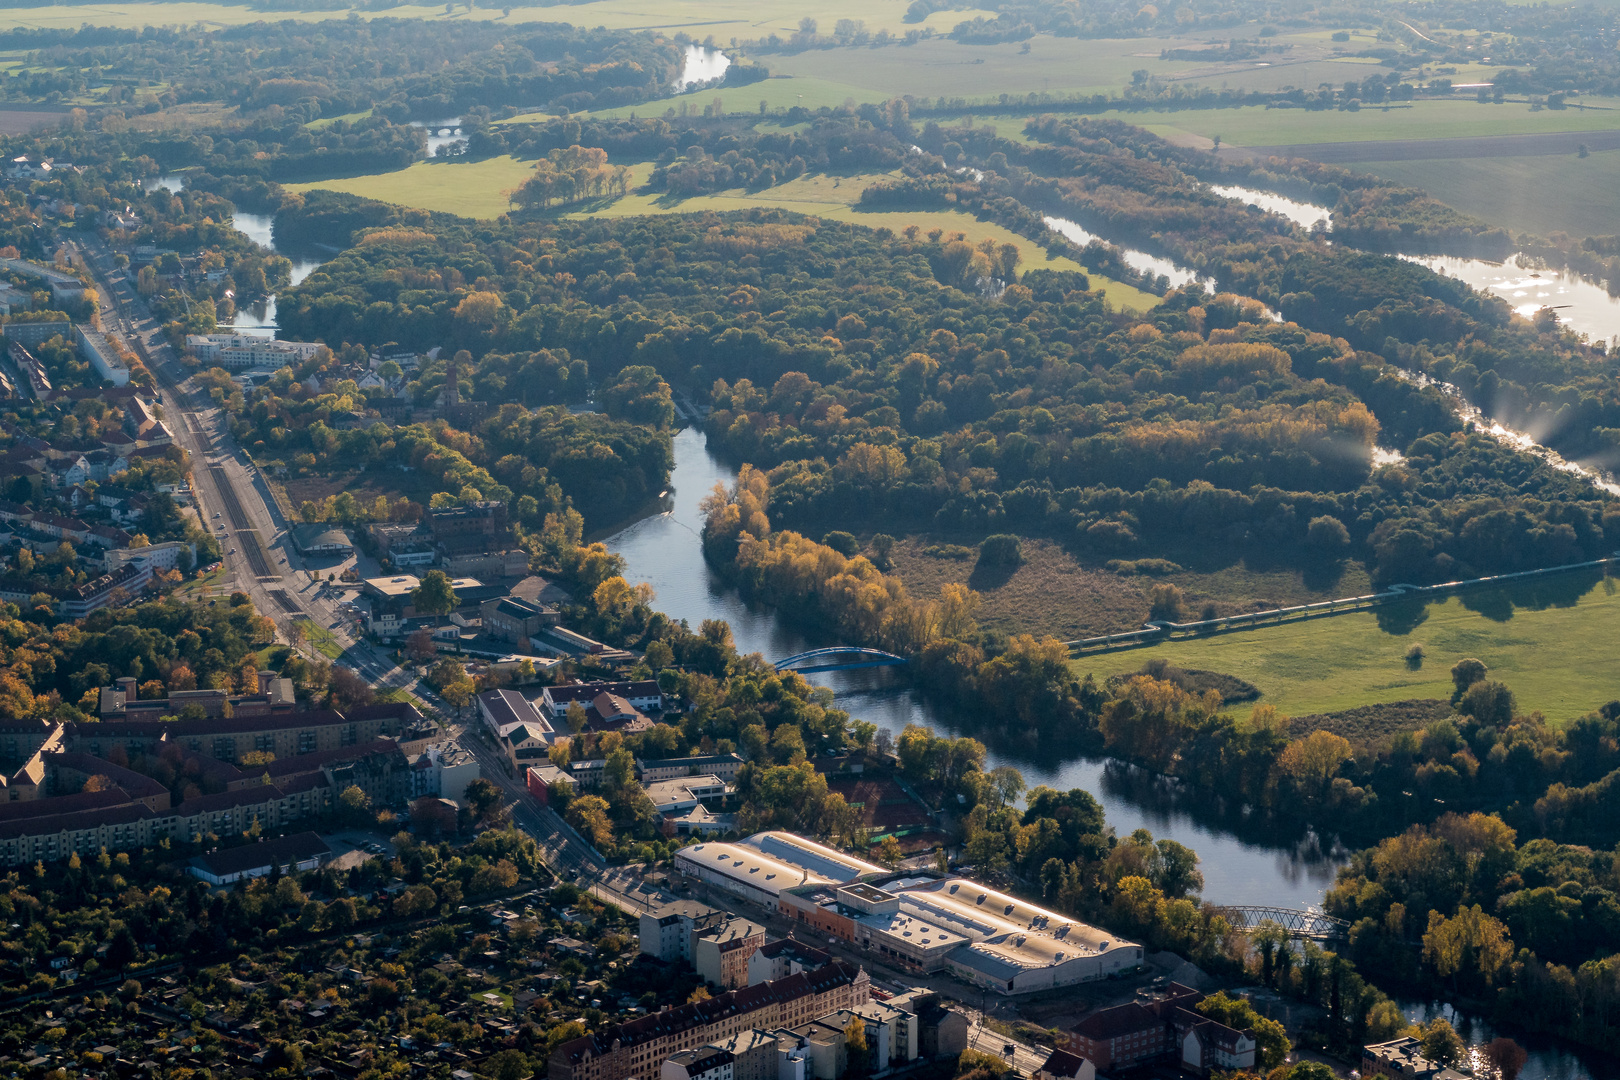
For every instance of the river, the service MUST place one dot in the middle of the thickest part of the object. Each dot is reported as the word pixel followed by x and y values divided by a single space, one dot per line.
pixel 1306 215
pixel 664 549
pixel 1156 265
pixel 1582 306
pixel 440 133
pixel 700 67
pixel 259 318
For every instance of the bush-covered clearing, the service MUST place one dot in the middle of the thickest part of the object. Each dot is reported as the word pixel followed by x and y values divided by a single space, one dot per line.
pixel 1372 723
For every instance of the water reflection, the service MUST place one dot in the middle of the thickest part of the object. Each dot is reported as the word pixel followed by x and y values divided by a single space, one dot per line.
pixel 700 67
pixel 1582 306
pixel 440 133
pixel 1550 1059
pixel 1136 260
pixel 259 318
pixel 1303 214
pixel 1597 474
pixel 1244 859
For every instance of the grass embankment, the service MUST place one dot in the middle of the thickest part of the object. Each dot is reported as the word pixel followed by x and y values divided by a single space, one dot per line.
pixel 1544 195
pixel 1552 643
pixel 479 190
pixel 1054 593
pixel 321 639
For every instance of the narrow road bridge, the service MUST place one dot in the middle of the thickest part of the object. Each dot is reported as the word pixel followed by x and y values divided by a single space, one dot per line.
pixel 806 663
pixel 1296 922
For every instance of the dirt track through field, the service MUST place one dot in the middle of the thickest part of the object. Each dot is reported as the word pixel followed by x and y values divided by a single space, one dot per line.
pixel 1540 144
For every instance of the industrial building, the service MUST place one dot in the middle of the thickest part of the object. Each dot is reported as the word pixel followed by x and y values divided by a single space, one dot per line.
pixel 760 868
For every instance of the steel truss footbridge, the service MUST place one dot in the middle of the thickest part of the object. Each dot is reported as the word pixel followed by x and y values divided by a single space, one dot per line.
pixel 838 658
pixel 1295 922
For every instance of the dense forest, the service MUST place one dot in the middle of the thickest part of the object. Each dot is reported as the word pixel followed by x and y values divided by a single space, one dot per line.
pixel 1041 411
pixel 402 68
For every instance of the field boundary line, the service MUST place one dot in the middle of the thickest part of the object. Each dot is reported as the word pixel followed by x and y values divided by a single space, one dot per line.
pixel 1159 631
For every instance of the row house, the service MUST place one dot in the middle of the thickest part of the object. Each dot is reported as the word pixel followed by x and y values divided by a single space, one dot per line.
pixel 638 1048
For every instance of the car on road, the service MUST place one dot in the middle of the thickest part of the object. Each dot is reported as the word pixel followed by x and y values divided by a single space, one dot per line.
pixel 231 552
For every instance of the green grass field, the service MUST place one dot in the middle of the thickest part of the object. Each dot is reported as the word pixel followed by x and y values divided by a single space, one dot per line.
pixel 471 189
pixel 1543 195
pixel 944 67
pixel 1259 126
pixel 326 122
pixel 1550 652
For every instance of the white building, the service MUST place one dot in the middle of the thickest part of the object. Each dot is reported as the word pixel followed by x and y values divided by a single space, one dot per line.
pixel 667 933
pixel 102 354
pixel 239 351
pixel 704 1063
pixel 673 796
pixel 62 286
pixel 160 557
pixel 504 711
pixel 761 867
pixel 443 770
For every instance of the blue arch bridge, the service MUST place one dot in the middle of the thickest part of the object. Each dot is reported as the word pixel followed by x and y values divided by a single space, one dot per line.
pixel 838 658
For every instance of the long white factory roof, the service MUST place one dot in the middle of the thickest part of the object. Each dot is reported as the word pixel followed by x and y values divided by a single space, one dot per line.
pixel 830 863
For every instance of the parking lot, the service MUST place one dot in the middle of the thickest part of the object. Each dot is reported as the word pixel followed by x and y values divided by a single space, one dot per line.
pixel 351 847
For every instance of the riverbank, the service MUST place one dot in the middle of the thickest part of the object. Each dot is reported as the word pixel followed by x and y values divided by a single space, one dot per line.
pixel 1259 864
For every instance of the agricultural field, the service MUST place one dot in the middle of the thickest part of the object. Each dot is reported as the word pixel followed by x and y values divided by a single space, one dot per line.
pixel 347 118
pixel 1259 126
pixel 1065 65
pixel 1541 640
pixel 1543 195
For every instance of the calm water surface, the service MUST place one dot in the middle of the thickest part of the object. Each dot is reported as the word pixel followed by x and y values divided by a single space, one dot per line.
pixel 440 132
pixel 701 65
pixel 1137 260
pixel 1240 865
pixel 1582 306
pixel 1305 215
pixel 257 319
pixel 664 549
pixel 260 318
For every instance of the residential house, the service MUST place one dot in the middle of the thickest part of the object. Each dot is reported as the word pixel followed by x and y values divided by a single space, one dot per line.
pixel 720 952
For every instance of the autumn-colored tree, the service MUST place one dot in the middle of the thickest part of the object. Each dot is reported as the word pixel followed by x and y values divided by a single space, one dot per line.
pixel 589 815
pixel 1312 762
pixel 1470 948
